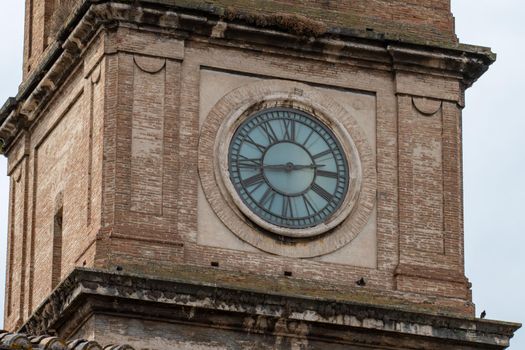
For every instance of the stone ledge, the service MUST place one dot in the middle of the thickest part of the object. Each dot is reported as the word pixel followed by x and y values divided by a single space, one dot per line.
pixel 87 292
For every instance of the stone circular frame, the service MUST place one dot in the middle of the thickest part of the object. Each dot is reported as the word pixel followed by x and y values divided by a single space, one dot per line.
pixel 344 145
pixel 228 129
pixel 216 133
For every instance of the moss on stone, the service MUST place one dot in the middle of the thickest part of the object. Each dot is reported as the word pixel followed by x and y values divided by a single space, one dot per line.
pixel 281 16
pixel 292 23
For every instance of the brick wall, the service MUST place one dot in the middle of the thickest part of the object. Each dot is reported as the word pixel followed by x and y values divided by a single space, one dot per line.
pixel 37 20
pixel 56 189
pixel 416 20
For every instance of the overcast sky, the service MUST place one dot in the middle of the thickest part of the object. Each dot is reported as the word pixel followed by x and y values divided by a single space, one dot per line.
pixel 494 152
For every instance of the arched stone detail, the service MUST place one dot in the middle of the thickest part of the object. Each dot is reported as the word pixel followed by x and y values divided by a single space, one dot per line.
pixel 150 65
pixel 426 106
pixel 95 76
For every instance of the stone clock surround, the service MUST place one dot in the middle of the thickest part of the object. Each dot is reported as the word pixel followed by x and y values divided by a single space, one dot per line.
pixel 216 133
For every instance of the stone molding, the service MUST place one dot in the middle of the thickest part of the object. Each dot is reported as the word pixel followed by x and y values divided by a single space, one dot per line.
pixel 86 292
pixel 464 62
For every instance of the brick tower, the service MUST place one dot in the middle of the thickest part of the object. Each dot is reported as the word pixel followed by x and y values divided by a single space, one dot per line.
pixel 190 174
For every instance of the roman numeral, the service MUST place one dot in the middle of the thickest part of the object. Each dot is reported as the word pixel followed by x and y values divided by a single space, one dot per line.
pixel 253 180
pixel 260 147
pixel 251 163
pixel 269 132
pixel 289 130
pixel 324 153
pixel 310 209
pixel 256 187
pixel 326 174
pixel 322 192
pixel 287 211
pixel 308 138
pixel 268 196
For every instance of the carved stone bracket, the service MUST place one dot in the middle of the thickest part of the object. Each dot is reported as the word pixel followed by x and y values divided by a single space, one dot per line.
pixel 9 127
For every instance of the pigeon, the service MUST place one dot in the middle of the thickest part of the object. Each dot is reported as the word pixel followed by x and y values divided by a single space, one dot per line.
pixel 483 314
pixel 361 282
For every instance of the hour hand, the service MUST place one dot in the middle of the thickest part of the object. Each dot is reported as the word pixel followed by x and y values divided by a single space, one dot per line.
pixel 290 166
pixel 275 166
pixel 311 166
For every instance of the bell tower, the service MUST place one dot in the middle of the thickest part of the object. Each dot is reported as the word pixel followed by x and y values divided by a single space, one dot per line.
pixel 242 174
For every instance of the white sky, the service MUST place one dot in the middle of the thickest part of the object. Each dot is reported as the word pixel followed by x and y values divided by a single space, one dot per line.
pixel 494 152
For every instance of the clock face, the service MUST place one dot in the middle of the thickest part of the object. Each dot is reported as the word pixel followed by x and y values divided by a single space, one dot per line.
pixel 288 168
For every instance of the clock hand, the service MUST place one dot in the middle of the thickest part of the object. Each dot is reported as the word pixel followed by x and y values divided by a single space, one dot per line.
pixel 290 166
pixel 311 166
pixel 275 166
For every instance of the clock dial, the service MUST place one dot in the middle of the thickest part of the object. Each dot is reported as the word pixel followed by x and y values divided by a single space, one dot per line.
pixel 288 168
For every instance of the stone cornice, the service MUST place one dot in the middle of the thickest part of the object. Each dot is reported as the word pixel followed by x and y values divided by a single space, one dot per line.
pixel 341 45
pixel 87 291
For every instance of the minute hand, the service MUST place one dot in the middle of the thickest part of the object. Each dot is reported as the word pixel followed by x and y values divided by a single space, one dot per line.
pixel 311 166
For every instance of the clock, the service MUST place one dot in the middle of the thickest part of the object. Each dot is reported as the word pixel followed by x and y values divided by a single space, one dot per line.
pixel 288 168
